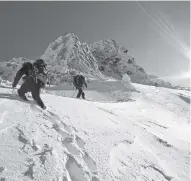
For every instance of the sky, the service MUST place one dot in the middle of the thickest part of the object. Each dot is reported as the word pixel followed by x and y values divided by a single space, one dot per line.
pixel 157 34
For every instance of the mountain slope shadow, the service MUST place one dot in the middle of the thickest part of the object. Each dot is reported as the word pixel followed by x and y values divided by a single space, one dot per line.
pixel 186 99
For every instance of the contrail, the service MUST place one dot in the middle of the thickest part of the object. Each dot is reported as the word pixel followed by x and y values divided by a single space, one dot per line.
pixel 168 31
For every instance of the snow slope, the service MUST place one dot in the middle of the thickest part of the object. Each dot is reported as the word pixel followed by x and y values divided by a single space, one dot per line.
pixel 120 135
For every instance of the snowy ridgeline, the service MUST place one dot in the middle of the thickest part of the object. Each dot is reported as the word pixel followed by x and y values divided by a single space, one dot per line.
pixel 139 133
pixel 101 60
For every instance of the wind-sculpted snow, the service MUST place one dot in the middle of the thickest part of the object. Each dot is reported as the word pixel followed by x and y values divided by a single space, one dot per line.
pixel 42 146
pixel 144 137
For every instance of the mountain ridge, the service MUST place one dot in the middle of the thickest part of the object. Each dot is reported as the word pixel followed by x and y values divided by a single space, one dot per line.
pixel 100 60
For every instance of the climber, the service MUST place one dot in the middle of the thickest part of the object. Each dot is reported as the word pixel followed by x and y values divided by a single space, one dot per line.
pixel 34 78
pixel 79 82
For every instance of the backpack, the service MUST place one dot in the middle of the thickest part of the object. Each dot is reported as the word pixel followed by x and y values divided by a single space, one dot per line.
pixel 79 81
pixel 27 68
pixel 27 65
pixel 40 75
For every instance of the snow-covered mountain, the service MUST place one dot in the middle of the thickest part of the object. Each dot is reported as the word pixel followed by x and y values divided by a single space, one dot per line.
pixel 121 135
pixel 114 60
pixel 123 131
pixel 66 53
pixel 101 59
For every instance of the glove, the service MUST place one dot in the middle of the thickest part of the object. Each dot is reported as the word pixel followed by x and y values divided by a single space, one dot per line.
pixel 24 78
pixel 44 107
pixel 13 85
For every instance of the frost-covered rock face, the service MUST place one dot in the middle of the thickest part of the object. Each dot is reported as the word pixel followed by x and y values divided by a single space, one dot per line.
pixel 114 61
pixel 67 53
pixel 62 55
pixel 100 60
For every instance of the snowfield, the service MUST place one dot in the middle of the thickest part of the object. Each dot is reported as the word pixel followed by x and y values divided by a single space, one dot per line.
pixel 116 135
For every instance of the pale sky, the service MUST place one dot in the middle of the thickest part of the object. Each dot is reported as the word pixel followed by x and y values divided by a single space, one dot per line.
pixel 157 34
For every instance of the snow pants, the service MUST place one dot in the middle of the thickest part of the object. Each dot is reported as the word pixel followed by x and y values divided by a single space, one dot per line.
pixel 80 92
pixel 30 85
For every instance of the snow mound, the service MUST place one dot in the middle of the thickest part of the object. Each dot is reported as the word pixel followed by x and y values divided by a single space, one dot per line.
pixel 126 80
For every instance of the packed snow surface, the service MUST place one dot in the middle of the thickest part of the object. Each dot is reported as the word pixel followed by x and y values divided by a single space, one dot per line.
pixel 116 134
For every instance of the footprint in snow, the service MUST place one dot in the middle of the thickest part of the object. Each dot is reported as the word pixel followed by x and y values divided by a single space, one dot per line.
pixel 68 143
pixel 2 169
pixel 66 127
pixel 75 170
pixel 61 132
pixel 95 178
pixel 90 162
pixel 80 142
pixel 30 172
